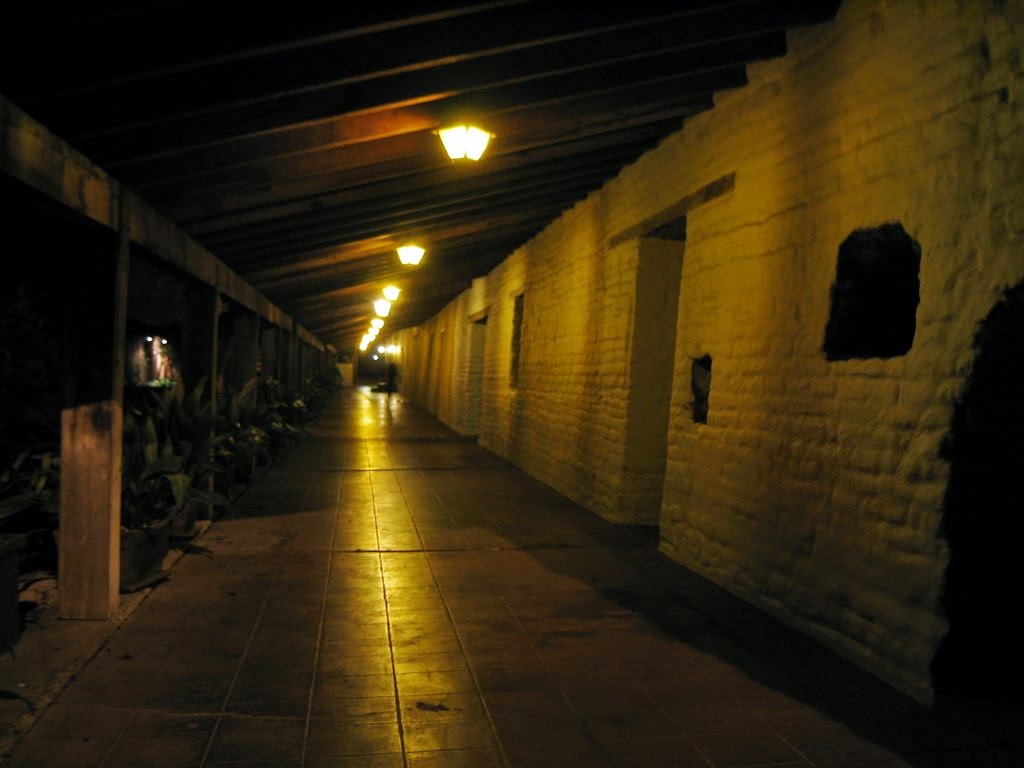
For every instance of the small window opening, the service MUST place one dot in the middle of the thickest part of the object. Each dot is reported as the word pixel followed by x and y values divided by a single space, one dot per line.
pixel 517 334
pixel 700 385
pixel 875 295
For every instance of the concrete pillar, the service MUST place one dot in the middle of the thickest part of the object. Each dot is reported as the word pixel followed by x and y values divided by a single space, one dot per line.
pixel 96 291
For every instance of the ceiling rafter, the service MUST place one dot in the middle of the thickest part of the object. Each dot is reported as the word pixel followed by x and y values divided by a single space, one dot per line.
pixel 299 147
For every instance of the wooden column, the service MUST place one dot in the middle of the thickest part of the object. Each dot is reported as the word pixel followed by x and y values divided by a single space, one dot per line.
pixel 270 345
pixel 199 337
pixel 242 354
pixel 89 546
pixel 291 344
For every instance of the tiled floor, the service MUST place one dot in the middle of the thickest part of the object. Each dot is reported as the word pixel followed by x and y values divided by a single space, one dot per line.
pixel 394 595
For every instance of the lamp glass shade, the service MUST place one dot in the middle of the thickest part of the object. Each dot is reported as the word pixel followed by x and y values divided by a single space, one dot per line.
pixel 410 254
pixel 382 307
pixel 454 140
pixel 461 141
pixel 476 142
pixel 391 292
pixel 377 322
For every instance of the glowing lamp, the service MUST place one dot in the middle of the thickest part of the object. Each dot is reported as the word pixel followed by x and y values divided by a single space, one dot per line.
pixel 410 254
pixel 464 141
pixel 392 349
pixel 382 307
pixel 372 333
pixel 391 292
pixel 377 323
pixel 381 350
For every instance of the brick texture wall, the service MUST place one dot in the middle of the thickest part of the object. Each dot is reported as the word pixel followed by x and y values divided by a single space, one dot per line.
pixel 815 488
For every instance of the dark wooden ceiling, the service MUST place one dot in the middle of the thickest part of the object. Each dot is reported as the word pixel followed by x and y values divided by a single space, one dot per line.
pixel 297 142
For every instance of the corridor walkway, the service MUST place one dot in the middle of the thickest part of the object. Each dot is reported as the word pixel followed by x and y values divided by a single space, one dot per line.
pixel 393 595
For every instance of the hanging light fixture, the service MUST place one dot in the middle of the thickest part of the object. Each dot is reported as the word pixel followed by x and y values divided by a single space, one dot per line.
pixel 377 322
pixel 382 307
pixel 364 343
pixel 372 333
pixel 391 293
pixel 410 254
pixel 464 141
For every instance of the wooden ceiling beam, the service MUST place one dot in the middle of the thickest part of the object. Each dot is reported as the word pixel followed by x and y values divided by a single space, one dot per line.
pixel 503 168
pixel 183 162
pixel 406 209
pixel 328 184
pixel 529 206
pixel 541 66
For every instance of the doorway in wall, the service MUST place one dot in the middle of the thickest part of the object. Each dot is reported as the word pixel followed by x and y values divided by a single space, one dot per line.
pixel 475 375
pixel 655 313
pixel 982 656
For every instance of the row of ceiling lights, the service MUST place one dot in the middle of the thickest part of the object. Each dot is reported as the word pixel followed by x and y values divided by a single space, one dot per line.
pixel 460 142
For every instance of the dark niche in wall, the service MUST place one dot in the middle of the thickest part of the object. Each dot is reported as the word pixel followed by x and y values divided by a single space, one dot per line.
pixel 875 295
pixel 700 385
pixel 982 654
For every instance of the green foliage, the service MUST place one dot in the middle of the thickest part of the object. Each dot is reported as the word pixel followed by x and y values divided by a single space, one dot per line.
pixel 30 487
pixel 170 454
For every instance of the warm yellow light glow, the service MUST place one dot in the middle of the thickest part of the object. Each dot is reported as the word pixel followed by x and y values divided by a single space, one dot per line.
pixel 461 141
pixel 410 254
pixel 391 292
pixel 382 307
pixel 365 342
pixel 382 350
pixel 372 333
pixel 392 349
pixel 377 322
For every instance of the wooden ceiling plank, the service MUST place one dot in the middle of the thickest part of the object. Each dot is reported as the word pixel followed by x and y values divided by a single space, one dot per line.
pixel 538 67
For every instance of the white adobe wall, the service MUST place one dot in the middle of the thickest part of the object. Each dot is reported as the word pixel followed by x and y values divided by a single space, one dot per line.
pixel 815 488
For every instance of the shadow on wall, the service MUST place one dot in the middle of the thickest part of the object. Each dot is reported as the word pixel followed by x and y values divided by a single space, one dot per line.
pixel 983 518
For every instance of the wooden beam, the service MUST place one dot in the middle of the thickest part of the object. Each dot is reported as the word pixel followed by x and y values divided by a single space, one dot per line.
pixel 504 106
pixel 32 155
pixel 708 192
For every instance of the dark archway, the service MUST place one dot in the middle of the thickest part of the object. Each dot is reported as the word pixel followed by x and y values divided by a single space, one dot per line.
pixel 982 656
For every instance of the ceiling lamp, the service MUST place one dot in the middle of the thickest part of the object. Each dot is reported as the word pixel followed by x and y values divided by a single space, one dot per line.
pixel 372 333
pixel 377 322
pixel 382 307
pixel 410 254
pixel 464 141
pixel 391 292
pixel 365 342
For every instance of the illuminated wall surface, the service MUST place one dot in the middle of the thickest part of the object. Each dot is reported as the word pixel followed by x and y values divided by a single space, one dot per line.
pixel 815 488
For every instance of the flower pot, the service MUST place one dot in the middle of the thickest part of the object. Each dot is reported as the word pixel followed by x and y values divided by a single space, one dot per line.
pixel 142 555
pixel 183 523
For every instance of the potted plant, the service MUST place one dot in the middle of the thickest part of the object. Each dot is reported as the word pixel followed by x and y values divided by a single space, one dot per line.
pixel 28 518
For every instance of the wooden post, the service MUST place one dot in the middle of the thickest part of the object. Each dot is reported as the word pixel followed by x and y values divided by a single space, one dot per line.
pixel 199 337
pixel 241 354
pixel 89 544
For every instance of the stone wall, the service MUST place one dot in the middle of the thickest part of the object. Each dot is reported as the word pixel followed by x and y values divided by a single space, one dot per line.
pixel 815 488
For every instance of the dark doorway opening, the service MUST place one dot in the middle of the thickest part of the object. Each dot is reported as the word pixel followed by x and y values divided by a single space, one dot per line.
pixel 981 660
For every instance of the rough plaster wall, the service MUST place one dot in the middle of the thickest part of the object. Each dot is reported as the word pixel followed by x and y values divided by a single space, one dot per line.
pixel 566 420
pixel 815 488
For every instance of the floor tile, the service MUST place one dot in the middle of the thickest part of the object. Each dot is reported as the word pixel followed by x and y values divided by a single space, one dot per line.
pixel 529 621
